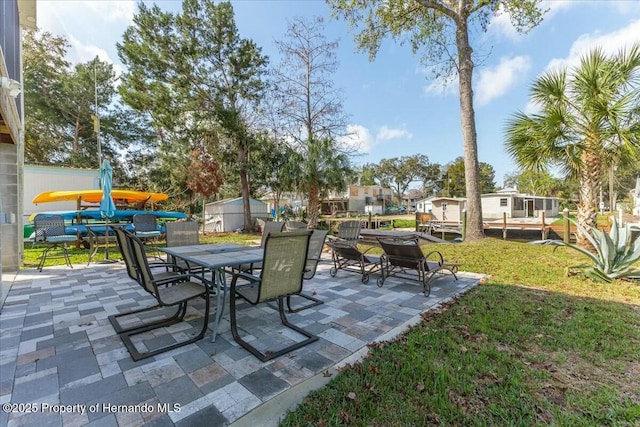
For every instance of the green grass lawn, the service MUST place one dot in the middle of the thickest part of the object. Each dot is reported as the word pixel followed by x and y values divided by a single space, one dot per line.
pixel 529 346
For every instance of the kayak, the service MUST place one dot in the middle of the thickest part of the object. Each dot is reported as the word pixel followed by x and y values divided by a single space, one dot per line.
pixel 119 215
pixel 95 196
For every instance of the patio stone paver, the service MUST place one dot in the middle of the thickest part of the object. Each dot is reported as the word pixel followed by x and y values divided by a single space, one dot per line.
pixel 57 347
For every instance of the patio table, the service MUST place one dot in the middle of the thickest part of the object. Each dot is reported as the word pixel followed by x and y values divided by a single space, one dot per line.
pixel 216 257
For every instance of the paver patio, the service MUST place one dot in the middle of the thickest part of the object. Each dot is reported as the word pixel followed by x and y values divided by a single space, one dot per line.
pixel 62 364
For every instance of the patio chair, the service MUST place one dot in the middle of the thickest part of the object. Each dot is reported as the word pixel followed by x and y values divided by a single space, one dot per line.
pixel 316 244
pixel 403 255
pixel 183 233
pixel 164 270
pixel 295 225
pixel 50 230
pixel 175 290
pixel 346 256
pixel 269 227
pixel 281 276
pixel 145 226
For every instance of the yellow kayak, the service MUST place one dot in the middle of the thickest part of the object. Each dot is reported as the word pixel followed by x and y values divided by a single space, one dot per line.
pixel 95 196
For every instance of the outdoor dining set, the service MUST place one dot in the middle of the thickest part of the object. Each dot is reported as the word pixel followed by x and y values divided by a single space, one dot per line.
pixel 273 272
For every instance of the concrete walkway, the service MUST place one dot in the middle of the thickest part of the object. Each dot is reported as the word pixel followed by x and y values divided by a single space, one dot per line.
pixel 62 364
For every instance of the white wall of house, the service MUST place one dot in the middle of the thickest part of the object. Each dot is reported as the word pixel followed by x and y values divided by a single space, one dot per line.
pixel 38 179
pixel 495 205
pixel 424 205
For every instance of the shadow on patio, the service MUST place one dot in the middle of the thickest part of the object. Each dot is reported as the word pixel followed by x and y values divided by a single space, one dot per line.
pixel 61 362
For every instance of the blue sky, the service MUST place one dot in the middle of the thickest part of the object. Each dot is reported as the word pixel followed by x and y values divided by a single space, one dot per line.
pixel 393 109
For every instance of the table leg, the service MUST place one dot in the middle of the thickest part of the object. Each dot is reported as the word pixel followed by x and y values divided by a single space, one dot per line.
pixel 221 292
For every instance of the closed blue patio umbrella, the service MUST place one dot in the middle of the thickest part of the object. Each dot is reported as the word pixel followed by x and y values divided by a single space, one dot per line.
pixel 107 207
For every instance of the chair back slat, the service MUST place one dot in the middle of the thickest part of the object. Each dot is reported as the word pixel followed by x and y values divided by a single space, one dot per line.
pixel 316 243
pixel 145 222
pixel 349 231
pixel 285 256
pixel 270 227
pixel 48 225
pixel 182 233
pixel 402 252
pixel 127 254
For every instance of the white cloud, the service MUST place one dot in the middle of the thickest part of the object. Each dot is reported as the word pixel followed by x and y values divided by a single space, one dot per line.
pixel 385 133
pixel 358 138
pixel 610 43
pixel 72 18
pixel 443 86
pixel 121 10
pixel 501 22
pixel 495 82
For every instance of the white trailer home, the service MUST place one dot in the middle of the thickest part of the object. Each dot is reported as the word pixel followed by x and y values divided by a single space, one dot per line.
pixel 495 205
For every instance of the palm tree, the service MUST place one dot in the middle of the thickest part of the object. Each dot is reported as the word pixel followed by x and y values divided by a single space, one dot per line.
pixel 321 169
pixel 588 117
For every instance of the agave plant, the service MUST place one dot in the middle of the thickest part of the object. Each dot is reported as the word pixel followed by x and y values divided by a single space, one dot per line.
pixel 616 256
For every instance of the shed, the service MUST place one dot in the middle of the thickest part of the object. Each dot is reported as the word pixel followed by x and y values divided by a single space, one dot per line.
pixel 228 214
pixel 448 209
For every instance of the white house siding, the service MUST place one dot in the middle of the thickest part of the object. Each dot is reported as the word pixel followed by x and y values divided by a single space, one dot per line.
pixel 518 206
pixel 424 205
pixel 38 179
pixel 491 206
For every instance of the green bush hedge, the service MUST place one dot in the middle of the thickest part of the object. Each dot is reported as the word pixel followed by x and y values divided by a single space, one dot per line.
pixel 404 223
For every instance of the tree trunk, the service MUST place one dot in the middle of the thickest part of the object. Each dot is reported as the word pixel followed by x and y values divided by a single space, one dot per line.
pixel 312 208
pixel 244 182
pixel 474 229
pixel 590 177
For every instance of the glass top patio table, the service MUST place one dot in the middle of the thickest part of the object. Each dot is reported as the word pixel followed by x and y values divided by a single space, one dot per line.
pixel 215 258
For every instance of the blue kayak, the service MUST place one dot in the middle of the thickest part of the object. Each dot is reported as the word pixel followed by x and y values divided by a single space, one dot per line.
pixel 120 215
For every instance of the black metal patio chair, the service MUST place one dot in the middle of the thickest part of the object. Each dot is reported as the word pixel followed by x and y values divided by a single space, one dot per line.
pixel 282 275
pixel 295 225
pixel 316 244
pixel 348 257
pixel 145 227
pixel 402 256
pixel 183 233
pixel 50 230
pixel 169 290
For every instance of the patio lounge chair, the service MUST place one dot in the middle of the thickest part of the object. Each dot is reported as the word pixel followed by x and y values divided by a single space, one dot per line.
pixel 346 256
pixel 349 231
pixel 49 230
pixel 316 243
pixel 403 255
pixel 173 290
pixel 282 275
